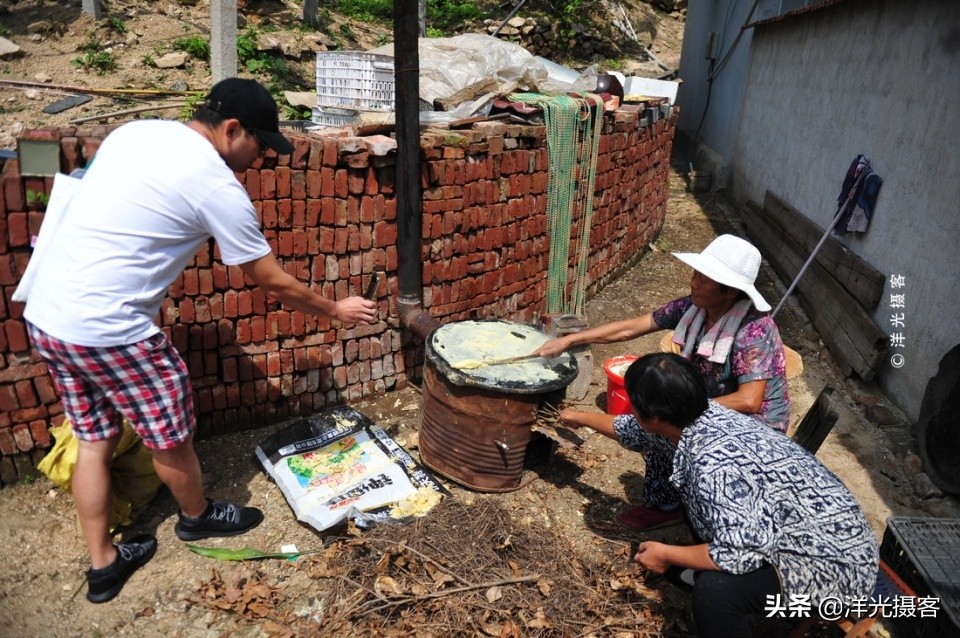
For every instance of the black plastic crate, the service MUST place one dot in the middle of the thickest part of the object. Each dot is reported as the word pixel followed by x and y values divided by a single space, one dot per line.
pixel 925 553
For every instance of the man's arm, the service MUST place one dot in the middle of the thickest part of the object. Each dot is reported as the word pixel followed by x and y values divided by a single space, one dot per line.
pixel 612 332
pixel 278 284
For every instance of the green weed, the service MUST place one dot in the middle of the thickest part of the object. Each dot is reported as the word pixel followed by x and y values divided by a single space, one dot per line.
pixel 116 25
pixel 448 15
pixel 37 199
pixel 196 46
pixel 100 61
pixel 347 31
pixel 367 10
pixel 190 104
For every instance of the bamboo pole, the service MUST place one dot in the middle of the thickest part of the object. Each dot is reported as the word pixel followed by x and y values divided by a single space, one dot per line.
pixel 142 109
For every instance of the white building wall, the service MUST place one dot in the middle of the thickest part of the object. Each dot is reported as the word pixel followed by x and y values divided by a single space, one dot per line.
pixel 719 121
pixel 880 78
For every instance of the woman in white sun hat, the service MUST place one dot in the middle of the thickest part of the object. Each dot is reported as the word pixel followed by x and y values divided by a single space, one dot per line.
pixel 724 328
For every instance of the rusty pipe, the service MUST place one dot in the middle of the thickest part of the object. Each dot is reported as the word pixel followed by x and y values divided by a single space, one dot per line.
pixel 406 30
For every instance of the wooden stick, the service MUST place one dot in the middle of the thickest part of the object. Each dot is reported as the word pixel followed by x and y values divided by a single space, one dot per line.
pixel 457 590
pixel 83 89
pixel 141 109
pixel 442 568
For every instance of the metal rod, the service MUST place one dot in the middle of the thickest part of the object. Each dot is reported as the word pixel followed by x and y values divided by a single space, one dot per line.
pixel 810 259
pixel 512 13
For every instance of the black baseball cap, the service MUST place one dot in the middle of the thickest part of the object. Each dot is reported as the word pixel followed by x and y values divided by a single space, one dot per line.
pixel 249 102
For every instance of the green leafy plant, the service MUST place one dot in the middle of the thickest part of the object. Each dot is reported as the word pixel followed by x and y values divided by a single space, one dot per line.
pixel 190 104
pixel 99 61
pixel 247 45
pixel 448 15
pixel 148 60
pixel 116 25
pixel 263 62
pixel 367 10
pixel 347 31
pixel 196 46
pixel 382 39
pixel 247 553
pixel 37 199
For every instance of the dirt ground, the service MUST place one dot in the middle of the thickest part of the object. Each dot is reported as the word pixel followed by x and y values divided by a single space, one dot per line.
pixel 559 527
pixel 558 531
pixel 52 34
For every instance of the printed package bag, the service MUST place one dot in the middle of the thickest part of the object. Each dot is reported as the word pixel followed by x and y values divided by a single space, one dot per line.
pixel 339 464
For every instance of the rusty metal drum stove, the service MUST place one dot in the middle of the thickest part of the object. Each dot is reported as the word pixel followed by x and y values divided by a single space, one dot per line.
pixel 475 424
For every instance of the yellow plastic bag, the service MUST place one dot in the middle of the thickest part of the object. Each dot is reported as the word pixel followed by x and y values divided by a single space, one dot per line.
pixel 135 482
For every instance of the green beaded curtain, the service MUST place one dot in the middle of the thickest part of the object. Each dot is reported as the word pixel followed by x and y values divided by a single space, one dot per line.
pixel 573 140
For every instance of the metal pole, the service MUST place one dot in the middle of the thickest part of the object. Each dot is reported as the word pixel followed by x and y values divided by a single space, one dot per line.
pixel 810 259
pixel 407 77
pixel 512 13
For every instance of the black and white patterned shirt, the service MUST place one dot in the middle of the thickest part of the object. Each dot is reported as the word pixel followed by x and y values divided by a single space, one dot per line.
pixel 755 496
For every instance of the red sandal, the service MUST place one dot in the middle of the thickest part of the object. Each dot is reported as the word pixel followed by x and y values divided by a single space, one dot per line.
pixel 645 519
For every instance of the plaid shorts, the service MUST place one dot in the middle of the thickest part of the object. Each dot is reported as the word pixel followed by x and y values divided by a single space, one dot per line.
pixel 145 382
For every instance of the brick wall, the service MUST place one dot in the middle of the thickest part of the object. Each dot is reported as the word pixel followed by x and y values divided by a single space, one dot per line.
pixel 329 212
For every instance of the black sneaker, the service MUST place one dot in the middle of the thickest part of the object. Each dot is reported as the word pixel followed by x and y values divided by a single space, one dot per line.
pixel 103 584
pixel 219 519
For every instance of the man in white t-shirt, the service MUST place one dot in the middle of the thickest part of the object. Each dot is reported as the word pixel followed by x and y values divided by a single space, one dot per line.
pixel 156 193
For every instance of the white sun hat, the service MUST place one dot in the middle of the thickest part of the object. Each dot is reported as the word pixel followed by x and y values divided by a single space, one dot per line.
pixel 731 261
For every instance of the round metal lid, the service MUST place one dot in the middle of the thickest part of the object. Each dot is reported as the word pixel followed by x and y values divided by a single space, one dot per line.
pixel 458 348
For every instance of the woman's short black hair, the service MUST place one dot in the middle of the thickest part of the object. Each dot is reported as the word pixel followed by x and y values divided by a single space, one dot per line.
pixel 667 387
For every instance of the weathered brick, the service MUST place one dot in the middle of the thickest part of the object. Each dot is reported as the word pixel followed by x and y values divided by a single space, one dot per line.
pixel 16 335
pixel 18 231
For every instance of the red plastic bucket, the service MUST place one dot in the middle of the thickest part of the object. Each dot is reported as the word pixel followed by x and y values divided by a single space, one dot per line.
pixel 617 400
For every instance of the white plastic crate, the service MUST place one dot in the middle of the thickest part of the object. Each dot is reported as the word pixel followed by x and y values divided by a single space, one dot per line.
pixel 333 117
pixel 355 79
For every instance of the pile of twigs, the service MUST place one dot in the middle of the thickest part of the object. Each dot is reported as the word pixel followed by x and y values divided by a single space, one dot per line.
pixel 465 570
pixel 472 570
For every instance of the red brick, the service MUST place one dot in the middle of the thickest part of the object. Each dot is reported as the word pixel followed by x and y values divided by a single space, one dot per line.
pixel 18 233
pixel 298 185
pixel 228 369
pixel 13 187
pixel 283 181
pixel 16 335
pixel 26 394
pixel 268 184
pixel 237 278
pixel 8 445
pixel 8 398
pixel 340 183
pixel 270 218
pixel 40 433
pixel 45 390
pixel 301 152
pixel 273 364
pixel 330 152
pixel 258 329
pixel 284 213
pixel 245 303
pixel 8 271
pixel 30 414
pixel 384 234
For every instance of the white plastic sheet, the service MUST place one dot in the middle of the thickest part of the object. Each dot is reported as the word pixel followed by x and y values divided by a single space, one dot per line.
pixel 448 65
